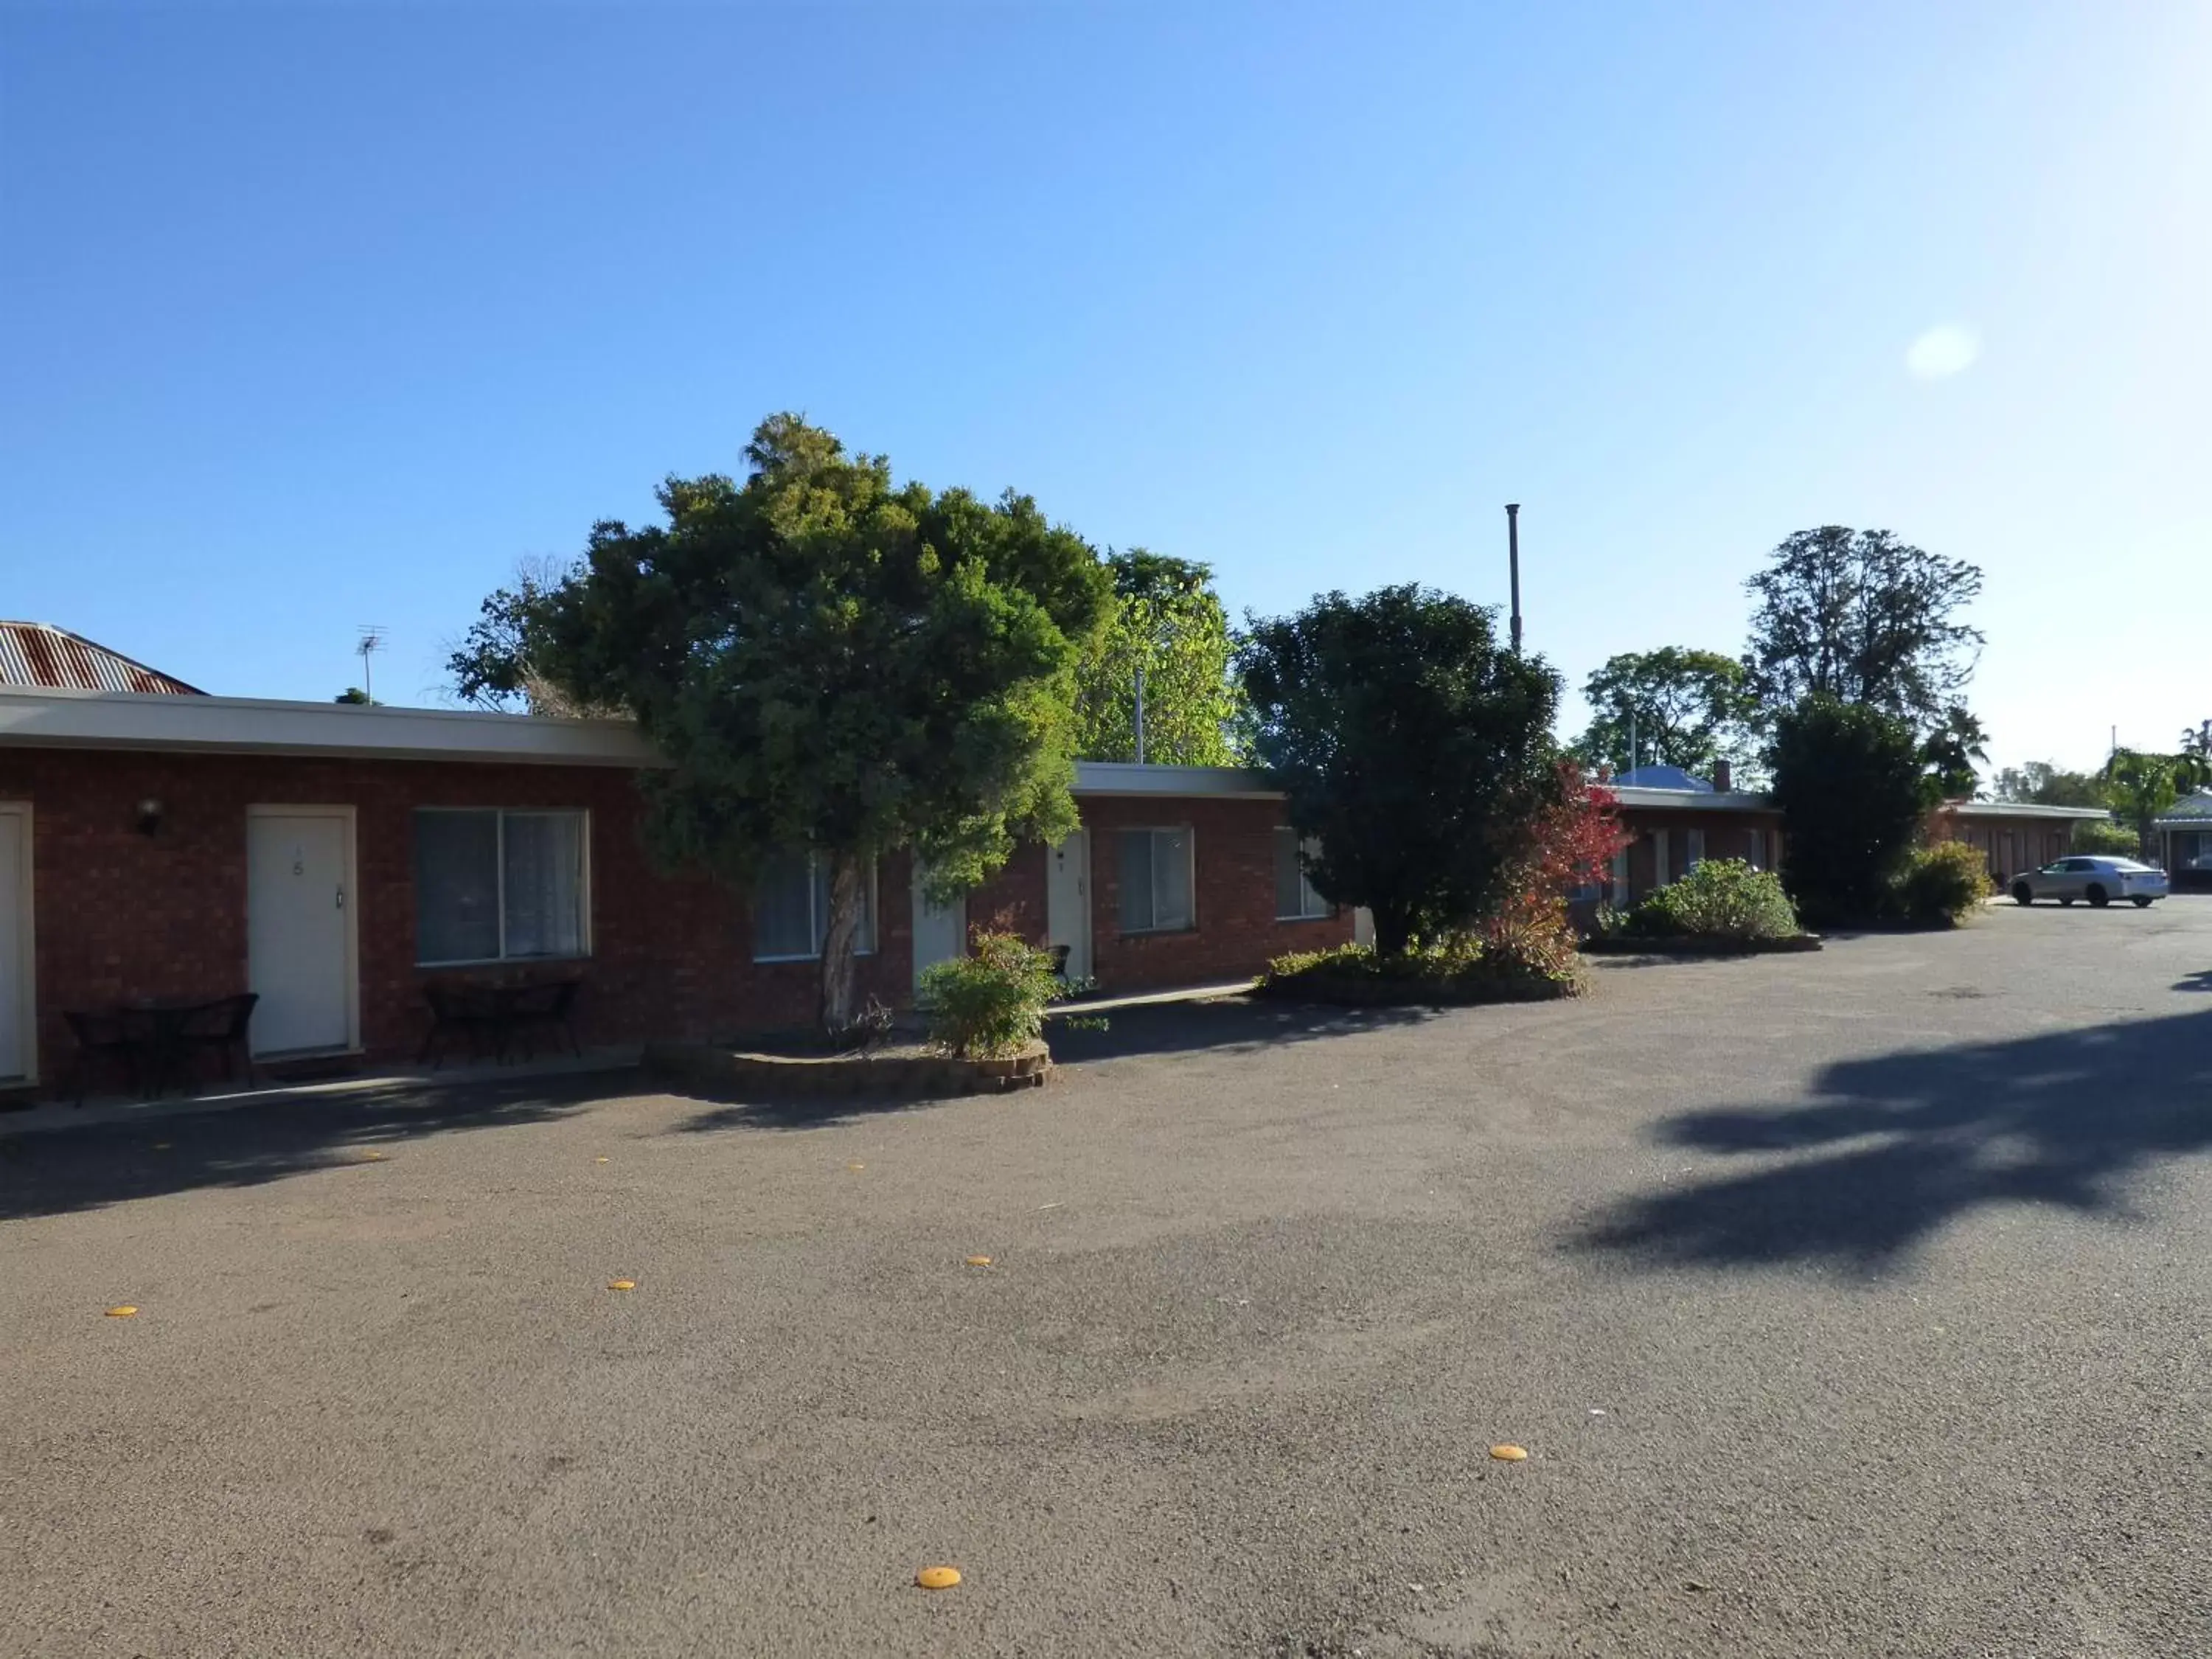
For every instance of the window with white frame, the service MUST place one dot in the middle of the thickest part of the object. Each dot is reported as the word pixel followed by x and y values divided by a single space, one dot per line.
pixel 1295 897
pixel 791 908
pixel 493 885
pixel 1155 880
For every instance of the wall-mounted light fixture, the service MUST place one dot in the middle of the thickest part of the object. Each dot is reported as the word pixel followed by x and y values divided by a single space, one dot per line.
pixel 150 816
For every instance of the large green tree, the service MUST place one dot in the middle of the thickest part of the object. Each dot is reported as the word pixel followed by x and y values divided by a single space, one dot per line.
pixel 1412 745
pixel 1852 786
pixel 835 662
pixel 1168 625
pixel 1859 616
pixel 1953 752
pixel 2141 786
pixel 1681 707
pixel 2043 784
pixel 497 664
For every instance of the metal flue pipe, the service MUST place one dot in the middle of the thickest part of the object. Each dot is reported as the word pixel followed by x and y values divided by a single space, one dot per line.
pixel 1513 554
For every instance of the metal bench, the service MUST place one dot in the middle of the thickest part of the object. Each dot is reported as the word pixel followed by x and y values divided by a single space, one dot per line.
pixel 491 1015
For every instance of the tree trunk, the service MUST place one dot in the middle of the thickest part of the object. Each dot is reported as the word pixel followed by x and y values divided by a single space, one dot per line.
pixel 1392 927
pixel 840 964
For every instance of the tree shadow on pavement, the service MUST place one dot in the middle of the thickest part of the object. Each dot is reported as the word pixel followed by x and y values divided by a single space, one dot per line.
pixel 1609 962
pixel 1225 1024
pixel 1893 1148
pixel 794 1111
pixel 56 1171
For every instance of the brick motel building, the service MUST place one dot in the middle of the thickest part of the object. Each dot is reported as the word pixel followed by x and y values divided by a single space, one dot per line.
pixel 1675 821
pixel 2012 836
pixel 338 860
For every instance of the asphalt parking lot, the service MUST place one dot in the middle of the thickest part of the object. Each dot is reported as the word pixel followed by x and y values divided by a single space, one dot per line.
pixel 1852 1303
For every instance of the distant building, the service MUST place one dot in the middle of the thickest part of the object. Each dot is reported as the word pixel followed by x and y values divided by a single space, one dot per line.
pixel 1677 821
pixel 2181 836
pixel 1666 777
pixel 2012 835
pixel 40 657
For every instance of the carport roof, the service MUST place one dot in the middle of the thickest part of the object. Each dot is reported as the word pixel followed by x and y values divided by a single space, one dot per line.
pixel 2190 809
pixel 2018 809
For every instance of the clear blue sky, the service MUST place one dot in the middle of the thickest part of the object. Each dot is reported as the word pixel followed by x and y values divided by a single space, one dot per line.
pixel 317 315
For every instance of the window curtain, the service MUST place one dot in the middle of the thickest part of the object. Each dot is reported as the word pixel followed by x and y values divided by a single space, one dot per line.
pixel 1155 886
pixel 1295 895
pixel 1136 884
pixel 544 885
pixel 1289 880
pixel 1171 905
pixel 783 909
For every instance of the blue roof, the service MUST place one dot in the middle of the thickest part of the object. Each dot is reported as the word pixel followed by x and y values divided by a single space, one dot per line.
pixel 2189 808
pixel 1662 777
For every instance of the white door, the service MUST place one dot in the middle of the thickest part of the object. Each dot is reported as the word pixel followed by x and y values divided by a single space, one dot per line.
pixel 940 932
pixel 1067 900
pixel 299 928
pixel 15 967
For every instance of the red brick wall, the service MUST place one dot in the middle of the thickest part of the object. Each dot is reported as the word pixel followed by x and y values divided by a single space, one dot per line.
pixel 1014 899
pixel 1232 846
pixel 1233 849
pixel 123 914
pixel 1728 836
pixel 2009 846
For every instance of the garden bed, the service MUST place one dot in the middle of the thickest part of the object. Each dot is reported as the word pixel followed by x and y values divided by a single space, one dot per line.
pixel 1458 970
pixel 785 1071
pixel 1695 945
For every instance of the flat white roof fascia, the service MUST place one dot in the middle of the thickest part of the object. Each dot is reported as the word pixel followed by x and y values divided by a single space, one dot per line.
pixel 1690 800
pixel 2020 809
pixel 250 725
pixel 247 725
pixel 1128 778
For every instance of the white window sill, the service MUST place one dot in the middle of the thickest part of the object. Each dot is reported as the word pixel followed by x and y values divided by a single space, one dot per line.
pixel 812 955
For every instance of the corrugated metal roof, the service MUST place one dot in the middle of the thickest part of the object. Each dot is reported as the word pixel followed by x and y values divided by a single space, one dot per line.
pixel 2190 809
pixel 1656 776
pixel 40 655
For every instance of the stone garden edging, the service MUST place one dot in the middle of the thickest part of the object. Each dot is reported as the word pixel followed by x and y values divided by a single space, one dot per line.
pixel 1631 945
pixel 740 1071
pixel 1379 992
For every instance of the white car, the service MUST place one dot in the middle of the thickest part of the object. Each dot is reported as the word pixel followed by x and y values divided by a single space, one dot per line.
pixel 2099 880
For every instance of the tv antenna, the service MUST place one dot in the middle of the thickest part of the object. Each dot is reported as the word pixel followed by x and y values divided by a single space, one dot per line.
pixel 370 642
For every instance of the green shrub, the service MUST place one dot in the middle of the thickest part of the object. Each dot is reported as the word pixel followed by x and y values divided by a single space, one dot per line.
pixel 1945 883
pixel 1721 898
pixel 2103 835
pixel 989 1005
pixel 1498 963
pixel 1337 959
